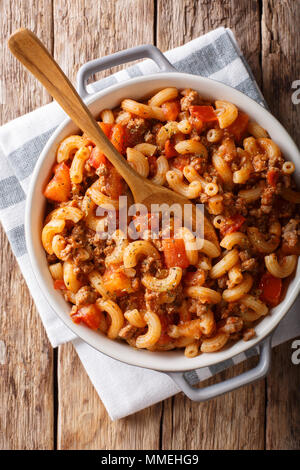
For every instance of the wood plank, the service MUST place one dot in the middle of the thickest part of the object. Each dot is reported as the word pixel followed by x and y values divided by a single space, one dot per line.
pixel 187 19
pixel 83 422
pixel 280 64
pixel 283 409
pixel 235 421
pixel 280 60
pixel 26 364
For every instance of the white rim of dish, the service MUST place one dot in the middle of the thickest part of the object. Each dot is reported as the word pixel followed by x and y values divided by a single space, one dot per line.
pixel 135 358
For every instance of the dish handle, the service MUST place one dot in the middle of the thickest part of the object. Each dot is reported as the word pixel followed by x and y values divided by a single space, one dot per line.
pixel 212 391
pixel 121 57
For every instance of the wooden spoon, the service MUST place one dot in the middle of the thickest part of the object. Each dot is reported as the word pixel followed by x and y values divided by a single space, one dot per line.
pixel 29 50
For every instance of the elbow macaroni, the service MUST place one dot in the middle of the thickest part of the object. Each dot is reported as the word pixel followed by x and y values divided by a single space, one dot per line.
pixel 192 294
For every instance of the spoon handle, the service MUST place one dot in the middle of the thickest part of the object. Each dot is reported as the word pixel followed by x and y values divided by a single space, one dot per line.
pixel 29 50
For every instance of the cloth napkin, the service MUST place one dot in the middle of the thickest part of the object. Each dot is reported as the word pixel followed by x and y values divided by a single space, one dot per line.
pixel 123 389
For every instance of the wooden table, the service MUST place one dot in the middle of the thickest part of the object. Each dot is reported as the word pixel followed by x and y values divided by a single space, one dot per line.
pixel 46 398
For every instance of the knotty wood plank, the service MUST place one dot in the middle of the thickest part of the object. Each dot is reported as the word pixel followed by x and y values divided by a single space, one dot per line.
pixel 235 421
pixel 280 65
pixel 106 27
pixel 26 358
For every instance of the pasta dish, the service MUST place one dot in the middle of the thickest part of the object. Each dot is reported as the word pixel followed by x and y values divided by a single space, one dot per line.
pixel 166 292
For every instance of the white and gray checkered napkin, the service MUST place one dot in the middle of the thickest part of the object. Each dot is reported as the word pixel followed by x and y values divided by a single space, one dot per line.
pixel 123 389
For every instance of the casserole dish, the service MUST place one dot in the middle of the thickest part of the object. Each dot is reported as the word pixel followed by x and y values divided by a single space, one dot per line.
pixel 171 362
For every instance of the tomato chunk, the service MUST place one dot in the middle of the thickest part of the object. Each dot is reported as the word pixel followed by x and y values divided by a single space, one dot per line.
pixel 59 284
pixel 239 126
pixel 271 289
pixel 171 109
pixel 170 151
pixel 273 176
pixel 89 315
pixel 205 113
pixel 118 138
pixel 96 158
pixel 59 187
pixel 174 253
pixel 164 337
pixel 114 184
pixel 232 224
pixel 106 128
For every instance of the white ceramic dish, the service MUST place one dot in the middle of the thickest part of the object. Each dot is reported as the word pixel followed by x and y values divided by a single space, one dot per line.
pixel 172 361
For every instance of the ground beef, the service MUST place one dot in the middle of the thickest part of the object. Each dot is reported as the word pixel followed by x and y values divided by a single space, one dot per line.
pixel 152 301
pixel 244 255
pixel 151 265
pixel 77 238
pixel 241 206
pixel 150 138
pixel 259 162
pixel 232 325
pixel 249 265
pixel 136 128
pixel 248 334
pixel 51 258
pixel 127 332
pixel 85 295
pixel 291 232
pixel 197 308
pixel 231 308
pixel 190 97
pixel 267 196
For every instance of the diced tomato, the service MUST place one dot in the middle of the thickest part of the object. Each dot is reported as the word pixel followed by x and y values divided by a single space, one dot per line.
pixel 180 162
pixel 239 126
pixel 271 289
pixel 96 158
pixel 164 337
pixel 106 128
pixel 205 113
pixel 171 109
pixel 170 151
pixel 273 176
pixel 115 281
pixel 59 187
pixel 59 284
pixel 232 224
pixel 174 253
pixel 118 138
pixel 116 134
pixel 88 314
pixel 114 183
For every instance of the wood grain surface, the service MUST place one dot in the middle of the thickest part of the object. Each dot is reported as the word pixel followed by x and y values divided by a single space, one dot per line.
pixel 46 399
